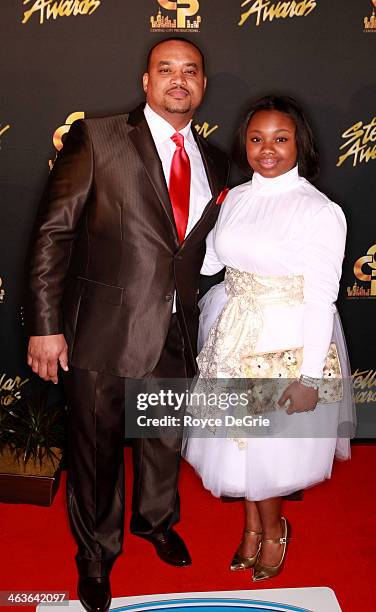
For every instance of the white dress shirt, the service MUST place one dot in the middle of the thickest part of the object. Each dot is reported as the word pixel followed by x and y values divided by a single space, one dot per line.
pixel 200 192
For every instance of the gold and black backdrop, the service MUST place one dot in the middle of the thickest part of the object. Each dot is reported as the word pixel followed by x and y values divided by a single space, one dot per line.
pixel 65 59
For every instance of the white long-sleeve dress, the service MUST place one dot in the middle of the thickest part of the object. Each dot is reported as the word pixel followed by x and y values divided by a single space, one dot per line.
pixel 282 243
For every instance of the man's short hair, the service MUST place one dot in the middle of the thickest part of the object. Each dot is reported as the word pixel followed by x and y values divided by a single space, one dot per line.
pixel 172 38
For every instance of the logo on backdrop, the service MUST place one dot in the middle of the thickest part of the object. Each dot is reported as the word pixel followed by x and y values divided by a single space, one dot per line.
pixel 57 138
pixel 267 10
pixel 182 16
pixel 364 382
pixel 2 292
pixel 205 130
pixel 364 271
pixel 359 143
pixel 10 389
pixel 370 22
pixel 52 9
pixel 3 130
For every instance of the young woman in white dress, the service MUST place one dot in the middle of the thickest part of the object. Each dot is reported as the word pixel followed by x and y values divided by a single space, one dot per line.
pixel 282 243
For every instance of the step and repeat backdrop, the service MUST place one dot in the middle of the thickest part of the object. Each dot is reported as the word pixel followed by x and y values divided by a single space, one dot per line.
pixel 62 60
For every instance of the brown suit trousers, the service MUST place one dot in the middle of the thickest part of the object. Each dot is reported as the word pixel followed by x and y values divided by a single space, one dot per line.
pixel 95 488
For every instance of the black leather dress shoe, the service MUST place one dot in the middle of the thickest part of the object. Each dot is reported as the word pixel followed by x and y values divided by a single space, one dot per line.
pixel 94 593
pixel 169 547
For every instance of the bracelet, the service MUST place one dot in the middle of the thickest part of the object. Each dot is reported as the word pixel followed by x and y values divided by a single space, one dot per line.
pixel 309 381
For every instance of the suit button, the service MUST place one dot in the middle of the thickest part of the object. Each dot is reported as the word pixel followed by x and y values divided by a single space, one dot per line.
pixel 179 257
pixel 169 297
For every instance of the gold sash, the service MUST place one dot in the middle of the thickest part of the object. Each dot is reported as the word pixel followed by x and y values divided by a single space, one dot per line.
pixel 236 330
pixel 229 349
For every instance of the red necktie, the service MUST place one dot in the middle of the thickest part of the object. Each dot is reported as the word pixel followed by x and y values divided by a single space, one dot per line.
pixel 179 185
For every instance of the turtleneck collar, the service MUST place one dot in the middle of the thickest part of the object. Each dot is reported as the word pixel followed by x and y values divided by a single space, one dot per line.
pixel 283 182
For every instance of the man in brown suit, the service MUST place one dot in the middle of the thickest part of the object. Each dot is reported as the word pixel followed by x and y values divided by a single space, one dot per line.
pixel 114 295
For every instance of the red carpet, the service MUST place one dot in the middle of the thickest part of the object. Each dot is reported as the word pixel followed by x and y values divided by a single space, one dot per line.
pixel 333 544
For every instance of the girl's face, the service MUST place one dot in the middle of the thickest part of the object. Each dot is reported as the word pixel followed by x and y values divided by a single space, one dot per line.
pixel 271 143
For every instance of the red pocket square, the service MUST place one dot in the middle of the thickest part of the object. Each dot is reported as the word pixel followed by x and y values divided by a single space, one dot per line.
pixel 222 195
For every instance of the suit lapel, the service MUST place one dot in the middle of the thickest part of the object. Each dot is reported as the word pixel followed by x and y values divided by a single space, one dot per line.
pixel 208 162
pixel 212 176
pixel 144 144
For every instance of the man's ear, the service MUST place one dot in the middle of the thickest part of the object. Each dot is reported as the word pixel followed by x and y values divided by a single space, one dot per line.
pixel 145 81
pixel 205 82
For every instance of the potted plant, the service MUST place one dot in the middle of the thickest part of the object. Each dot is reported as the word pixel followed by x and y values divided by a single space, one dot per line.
pixel 31 442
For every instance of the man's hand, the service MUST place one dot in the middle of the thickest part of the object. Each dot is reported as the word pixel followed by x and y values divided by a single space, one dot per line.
pixel 300 398
pixel 44 354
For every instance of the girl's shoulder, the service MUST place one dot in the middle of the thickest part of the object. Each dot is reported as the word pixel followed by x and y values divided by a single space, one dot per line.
pixel 316 200
pixel 235 195
pixel 239 190
pixel 319 210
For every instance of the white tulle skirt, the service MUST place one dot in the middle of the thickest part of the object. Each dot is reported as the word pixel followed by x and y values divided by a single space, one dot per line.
pixel 282 461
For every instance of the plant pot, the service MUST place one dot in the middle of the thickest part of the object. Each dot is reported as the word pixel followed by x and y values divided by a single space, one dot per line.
pixel 31 482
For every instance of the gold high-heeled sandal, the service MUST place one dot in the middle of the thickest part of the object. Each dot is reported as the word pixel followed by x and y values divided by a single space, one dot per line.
pixel 242 563
pixel 262 572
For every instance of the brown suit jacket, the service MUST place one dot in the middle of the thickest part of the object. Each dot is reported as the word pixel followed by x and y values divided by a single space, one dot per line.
pixel 105 258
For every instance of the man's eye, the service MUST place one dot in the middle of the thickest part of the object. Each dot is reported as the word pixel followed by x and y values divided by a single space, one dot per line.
pixel 281 139
pixel 255 139
pixel 164 70
pixel 191 71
